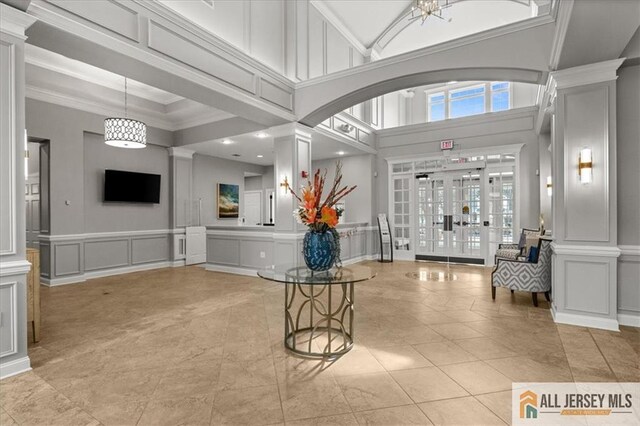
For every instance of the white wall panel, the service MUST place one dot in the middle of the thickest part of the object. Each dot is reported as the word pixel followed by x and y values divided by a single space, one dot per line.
pixel 267 33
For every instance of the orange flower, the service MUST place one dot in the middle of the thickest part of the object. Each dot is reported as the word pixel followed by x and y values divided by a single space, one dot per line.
pixel 329 216
pixel 311 216
pixel 308 197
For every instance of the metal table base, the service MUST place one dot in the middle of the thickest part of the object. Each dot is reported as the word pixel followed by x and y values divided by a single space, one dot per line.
pixel 323 319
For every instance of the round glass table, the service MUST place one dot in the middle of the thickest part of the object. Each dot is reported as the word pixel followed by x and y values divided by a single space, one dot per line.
pixel 318 307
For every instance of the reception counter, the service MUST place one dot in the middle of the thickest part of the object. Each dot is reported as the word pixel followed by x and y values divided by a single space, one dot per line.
pixel 244 249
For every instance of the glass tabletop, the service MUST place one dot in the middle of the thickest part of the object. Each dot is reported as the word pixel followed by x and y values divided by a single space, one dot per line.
pixel 300 274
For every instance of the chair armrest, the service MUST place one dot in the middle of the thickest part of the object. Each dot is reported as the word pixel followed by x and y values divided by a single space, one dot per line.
pixel 508 246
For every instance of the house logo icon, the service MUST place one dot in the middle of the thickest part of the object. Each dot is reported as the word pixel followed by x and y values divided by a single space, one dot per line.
pixel 528 405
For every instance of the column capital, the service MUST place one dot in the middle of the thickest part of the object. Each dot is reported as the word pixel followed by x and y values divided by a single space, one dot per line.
pixel 583 75
pixel 14 22
pixel 289 129
pixel 175 151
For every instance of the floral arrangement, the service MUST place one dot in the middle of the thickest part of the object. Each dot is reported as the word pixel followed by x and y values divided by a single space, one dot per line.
pixel 318 215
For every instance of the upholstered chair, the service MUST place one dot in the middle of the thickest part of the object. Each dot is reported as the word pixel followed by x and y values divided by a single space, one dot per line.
pixel 517 251
pixel 532 275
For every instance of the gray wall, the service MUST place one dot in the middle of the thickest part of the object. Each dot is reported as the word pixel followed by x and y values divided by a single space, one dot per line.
pixel 207 173
pixel 105 217
pixel 356 170
pixel 628 106
pixel 628 173
pixel 65 128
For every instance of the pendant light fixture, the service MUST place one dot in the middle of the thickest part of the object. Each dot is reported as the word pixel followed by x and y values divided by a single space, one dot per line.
pixel 125 132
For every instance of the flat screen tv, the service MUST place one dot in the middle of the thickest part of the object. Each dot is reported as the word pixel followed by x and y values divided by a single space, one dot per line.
pixel 131 187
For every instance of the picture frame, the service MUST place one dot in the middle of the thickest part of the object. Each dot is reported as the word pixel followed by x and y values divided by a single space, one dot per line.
pixel 228 201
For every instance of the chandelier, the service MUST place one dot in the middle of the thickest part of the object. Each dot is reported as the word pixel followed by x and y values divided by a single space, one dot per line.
pixel 425 8
pixel 125 132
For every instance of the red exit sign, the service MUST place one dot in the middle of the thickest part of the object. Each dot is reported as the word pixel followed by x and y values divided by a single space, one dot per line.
pixel 444 145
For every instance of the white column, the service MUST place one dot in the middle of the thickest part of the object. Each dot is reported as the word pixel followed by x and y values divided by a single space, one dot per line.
pixel 13 264
pixel 292 158
pixel 585 214
pixel 183 209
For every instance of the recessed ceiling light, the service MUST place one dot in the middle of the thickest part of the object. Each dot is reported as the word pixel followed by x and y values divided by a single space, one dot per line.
pixel 227 142
pixel 259 155
pixel 340 152
pixel 261 135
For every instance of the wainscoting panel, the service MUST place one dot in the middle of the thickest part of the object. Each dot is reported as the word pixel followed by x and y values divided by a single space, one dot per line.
pixel 149 249
pixel 109 15
pixel 8 309
pixel 45 259
pixel 67 259
pixel 586 279
pixel 251 253
pixel 629 286
pixel 223 251
pixel 106 254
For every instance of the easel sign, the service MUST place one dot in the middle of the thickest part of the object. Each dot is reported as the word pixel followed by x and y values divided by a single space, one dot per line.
pixel 384 230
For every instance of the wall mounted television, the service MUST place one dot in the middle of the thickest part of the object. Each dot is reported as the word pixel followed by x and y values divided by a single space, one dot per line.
pixel 131 187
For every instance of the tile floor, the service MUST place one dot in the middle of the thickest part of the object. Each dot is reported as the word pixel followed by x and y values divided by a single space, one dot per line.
pixel 186 346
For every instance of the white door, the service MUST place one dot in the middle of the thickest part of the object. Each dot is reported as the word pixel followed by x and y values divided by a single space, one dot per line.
pixel 253 207
pixel 449 216
pixel 32 210
pixel 196 245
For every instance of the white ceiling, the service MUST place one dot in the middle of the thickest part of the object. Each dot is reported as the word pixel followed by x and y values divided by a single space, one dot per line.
pixel 248 146
pixel 467 17
pixel 367 19
pixel 55 78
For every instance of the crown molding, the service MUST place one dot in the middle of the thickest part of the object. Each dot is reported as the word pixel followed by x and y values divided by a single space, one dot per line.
pixel 14 22
pixel 584 250
pixel 289 129
pixel 563 15
pixel 583 75
pixel 181 152
pixel 338 25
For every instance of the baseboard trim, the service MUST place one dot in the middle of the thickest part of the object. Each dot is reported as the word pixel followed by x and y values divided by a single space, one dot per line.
pixel 585 321
pixel 178 263
pixel 231 270
pixel 357 259
pixel 54 282
pixel 629 320
pixel 15 367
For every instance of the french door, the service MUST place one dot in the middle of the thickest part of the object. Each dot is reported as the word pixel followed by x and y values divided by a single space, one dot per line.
pixel 450 221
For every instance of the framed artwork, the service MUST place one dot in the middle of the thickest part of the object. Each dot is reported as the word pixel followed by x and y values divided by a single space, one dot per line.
pixel 228 201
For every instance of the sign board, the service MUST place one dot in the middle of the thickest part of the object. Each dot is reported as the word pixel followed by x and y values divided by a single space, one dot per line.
pixel 383 227
pixel 446 145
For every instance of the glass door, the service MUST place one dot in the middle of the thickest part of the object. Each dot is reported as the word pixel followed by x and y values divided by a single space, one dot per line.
pixel 449 217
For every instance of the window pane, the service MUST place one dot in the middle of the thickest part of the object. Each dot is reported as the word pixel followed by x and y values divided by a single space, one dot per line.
pixel 437 97
pixel 500 101
pixel 499 85
pixel 436 112
pixel 466 106
pixel 478 90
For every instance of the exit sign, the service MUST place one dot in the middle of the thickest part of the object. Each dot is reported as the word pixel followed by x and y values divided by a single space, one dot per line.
pixel 444 145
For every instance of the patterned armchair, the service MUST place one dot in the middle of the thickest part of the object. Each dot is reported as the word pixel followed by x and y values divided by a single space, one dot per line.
pixel 521 275
pixel 516 251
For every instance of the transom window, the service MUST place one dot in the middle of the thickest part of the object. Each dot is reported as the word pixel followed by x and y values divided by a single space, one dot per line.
pixel 468 100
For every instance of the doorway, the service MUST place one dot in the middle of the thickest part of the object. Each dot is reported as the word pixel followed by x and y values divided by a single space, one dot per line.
pixel 454 207
pixel 450 217
pixel 36 191
pixel 253 207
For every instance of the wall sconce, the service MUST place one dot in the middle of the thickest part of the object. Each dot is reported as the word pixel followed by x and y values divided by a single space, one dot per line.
pixel 584 165
pixel 549 186
pixel 285 185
